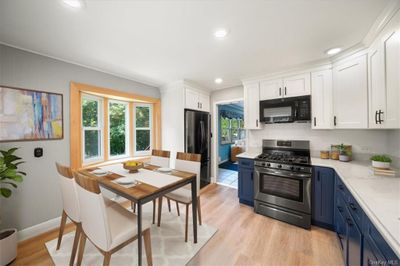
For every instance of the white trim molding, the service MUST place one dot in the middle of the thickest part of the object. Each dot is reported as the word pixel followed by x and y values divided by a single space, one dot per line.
pixel 38 229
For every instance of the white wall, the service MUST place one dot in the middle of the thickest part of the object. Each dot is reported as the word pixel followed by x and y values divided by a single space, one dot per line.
pixel 38 199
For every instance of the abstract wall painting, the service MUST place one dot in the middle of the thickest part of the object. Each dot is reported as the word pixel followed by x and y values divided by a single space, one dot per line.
pixel 27 115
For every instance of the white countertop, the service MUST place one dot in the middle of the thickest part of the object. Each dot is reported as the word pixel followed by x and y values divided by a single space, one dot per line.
pixel 251 153
pixel 378 196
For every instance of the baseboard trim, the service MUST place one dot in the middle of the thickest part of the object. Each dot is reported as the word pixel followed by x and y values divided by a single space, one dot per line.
pixel 38 229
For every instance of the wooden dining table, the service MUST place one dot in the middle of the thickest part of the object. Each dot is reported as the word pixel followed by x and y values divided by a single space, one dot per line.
pixel 146 190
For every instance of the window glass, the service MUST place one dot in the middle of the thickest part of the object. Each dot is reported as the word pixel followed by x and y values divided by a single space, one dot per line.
pixel 92 128
pixel 118 128
pixel 143 128
pixel 92 144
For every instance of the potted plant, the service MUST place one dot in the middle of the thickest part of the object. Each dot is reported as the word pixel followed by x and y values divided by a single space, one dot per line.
pixel 344 153
pixel 381 161
pixel 9 177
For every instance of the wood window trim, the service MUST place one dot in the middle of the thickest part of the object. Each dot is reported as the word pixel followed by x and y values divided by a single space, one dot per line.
pixel 76 90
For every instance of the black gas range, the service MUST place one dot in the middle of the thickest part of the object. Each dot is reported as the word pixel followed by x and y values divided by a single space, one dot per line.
pixel 282 182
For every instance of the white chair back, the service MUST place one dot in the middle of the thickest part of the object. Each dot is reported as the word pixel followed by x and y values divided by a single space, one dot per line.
pixel 189 162
pixel 160 158
pixel 69 193
pixel 93 212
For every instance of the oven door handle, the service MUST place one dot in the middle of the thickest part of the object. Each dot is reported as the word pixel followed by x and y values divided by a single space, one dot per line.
pixel 284 174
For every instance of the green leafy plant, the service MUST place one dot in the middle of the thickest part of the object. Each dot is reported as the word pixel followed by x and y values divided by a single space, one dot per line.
pixel 343 150
pixel 381 158
pixel 9 173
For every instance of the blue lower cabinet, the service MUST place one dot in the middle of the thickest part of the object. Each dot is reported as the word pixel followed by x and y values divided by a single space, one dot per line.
pixel 376 250
pixel 354 242
pixel 323 184
pixel 245 182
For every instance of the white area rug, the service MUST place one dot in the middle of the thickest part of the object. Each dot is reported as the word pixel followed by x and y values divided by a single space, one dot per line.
pixel 167 242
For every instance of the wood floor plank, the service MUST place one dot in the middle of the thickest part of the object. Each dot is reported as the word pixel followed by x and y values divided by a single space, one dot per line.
pixel 243 238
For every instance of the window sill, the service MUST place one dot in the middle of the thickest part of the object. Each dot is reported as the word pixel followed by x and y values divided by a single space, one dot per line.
pixel 115 161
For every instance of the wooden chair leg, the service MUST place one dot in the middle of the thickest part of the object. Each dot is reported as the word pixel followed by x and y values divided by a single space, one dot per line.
pixel 159 211
pixel 199 209
pixel 177 208
pixel 107 258
pixel 169 205
pixel 147 247
pixel 75 245
pixel 154 211
pixel 133 206
pixel 81 249
pixel 186 222
pixel 61 231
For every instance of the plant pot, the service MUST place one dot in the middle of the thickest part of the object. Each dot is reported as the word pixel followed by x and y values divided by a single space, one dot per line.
pixel 382 165
pixel 8 244
pixel 344 158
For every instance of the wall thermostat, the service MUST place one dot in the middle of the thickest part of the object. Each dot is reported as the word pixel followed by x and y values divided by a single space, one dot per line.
pixel 38 152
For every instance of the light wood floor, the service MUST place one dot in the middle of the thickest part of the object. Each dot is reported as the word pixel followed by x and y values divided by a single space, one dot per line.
pixel 243 238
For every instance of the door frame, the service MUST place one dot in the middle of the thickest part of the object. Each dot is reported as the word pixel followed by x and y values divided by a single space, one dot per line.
pixel 214 149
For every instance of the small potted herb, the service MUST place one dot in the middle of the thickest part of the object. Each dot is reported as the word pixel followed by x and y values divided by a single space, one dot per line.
pixel 9 177
pixel 381 161
pixel 344 153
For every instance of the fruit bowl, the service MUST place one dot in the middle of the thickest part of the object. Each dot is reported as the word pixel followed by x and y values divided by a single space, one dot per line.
pixel 132 166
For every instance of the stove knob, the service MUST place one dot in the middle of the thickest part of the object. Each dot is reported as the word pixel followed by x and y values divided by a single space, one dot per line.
pixel 291 168
pixel 268 164
pixel 279 166
pixel 263 164
pixel 298 168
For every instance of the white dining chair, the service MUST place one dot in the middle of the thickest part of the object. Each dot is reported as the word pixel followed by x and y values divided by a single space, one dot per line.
pixel 187 162
pixel 108 225
pixel 159 158
pixel 70 207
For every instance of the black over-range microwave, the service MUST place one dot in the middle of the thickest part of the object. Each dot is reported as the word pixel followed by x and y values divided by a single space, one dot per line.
pixel 286 110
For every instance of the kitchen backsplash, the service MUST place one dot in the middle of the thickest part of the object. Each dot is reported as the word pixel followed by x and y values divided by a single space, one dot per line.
pixel 364 142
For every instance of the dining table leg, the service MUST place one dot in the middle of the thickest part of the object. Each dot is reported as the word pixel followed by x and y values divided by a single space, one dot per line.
pixel 139 232
pixel 194 208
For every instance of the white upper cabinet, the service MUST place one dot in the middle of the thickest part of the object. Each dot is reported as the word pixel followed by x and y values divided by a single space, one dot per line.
pixel 271 89
pixel 291 86
pixel 204 102
pixel 196 100
pixel 298 85
pixel 321 100
pixel 350 98
pixel 252 106
pixel 384 78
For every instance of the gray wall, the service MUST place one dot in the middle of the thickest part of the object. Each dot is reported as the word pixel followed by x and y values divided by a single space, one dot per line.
pixel 38 198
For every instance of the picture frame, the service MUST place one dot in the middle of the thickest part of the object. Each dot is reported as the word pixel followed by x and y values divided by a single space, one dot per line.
pixel 30 115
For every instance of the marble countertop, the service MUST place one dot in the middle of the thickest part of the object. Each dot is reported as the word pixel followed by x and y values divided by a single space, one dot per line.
pixel 378 196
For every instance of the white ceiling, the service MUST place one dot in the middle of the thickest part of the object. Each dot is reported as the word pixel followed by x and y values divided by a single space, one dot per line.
pixel 158 42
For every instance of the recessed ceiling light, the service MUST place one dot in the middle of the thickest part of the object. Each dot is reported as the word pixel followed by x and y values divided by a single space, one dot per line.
pixel 73 3
pixel 333 51
pixel 218 80
pixel 220 33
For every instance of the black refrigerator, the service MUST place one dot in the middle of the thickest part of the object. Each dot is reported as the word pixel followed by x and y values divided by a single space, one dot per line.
pixel 198 140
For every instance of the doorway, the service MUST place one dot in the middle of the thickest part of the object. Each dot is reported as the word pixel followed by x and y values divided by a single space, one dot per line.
pixel 231 141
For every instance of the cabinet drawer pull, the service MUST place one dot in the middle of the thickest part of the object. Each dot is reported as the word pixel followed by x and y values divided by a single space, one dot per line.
pixel 315 121
pixel 352 206
pixel 380 119
pixel 334 120
pixel 341 187
pixel 340 209
pixel 285 91
pixel 349 222
pixel 376 117
pixel 280 91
